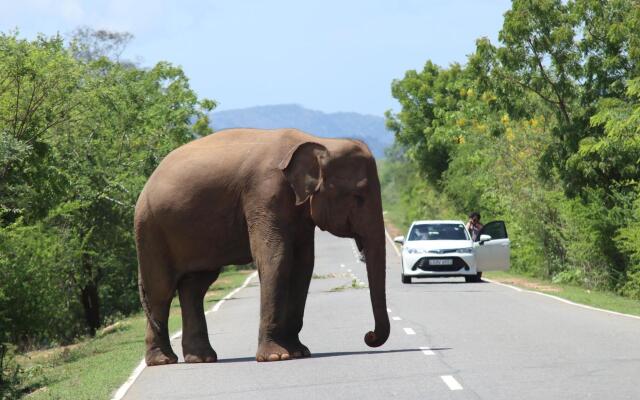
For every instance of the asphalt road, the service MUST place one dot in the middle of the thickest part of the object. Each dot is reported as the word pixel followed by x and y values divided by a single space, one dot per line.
pixel 449 340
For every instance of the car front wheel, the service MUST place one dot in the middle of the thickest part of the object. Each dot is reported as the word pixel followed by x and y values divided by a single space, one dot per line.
pixel 474 278
pixel 406 279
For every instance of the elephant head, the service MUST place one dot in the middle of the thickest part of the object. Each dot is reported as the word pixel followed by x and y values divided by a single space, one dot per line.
pixel 340 182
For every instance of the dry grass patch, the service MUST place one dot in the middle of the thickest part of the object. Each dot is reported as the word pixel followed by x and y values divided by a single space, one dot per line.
pixel 529 283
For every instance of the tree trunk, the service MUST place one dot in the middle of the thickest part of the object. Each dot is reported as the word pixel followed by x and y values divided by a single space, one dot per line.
pixel 91 305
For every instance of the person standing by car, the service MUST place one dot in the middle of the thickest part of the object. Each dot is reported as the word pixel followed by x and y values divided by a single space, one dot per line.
pixel 474 226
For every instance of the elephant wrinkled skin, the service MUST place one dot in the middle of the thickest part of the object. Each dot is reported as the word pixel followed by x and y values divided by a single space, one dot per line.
pixel 243 195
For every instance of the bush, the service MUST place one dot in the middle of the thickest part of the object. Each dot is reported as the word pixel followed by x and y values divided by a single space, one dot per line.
pixel 628 241
pixel 40 292
pixel 632 287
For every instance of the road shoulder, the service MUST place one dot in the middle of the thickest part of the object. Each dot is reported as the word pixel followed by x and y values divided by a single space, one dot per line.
pixel 578 296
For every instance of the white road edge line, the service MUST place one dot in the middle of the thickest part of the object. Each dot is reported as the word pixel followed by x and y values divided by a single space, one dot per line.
pixel 409 331
pixel 386 232
pixel 427 351
pixel 125 386
pixel 396 318
pixel 503 284
pixel 122 390
pixel 451 382
pixel 564 300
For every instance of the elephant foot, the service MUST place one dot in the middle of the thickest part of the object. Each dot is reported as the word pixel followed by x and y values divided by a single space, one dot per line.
pixel 206 355
pixel 271 351
pixel 298 350
pixel 156 356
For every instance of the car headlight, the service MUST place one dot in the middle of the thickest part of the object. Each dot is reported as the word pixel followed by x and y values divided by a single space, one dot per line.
pixel 416 251
pixel 465 250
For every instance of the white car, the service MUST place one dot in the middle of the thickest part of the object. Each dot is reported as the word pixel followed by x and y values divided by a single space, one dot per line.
pixel 445 249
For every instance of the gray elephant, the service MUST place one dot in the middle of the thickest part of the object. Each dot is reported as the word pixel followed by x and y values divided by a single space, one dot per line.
pixel 243 195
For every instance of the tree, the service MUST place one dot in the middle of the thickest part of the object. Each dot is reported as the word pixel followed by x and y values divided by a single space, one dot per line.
pixel 81 132
pixel 542 131
pixel 39 92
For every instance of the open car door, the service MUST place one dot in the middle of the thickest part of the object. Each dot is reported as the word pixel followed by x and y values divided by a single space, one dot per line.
pixel 493 254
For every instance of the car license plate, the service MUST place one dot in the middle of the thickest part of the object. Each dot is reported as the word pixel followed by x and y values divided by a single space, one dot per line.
pixel 444 261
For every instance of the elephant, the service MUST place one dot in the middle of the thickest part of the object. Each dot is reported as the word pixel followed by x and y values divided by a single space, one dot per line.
pixel 249 195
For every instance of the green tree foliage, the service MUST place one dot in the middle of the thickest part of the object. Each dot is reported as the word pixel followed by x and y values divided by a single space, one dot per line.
pixel 541 130
pixel 406 196
pixel 80 132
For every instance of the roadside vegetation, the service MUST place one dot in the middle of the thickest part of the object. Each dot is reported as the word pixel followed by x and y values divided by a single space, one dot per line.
pixel 541 130
pixel 80 132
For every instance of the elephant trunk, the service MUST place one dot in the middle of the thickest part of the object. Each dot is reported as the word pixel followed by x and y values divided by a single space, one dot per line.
pixel 375 256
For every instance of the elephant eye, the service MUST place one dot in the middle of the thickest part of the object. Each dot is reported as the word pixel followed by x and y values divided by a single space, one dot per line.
pixel 359 200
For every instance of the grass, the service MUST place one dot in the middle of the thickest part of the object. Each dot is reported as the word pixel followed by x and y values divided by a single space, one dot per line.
pixel 594 298
pixel 95 368
pixel 325 276
pixel 354 285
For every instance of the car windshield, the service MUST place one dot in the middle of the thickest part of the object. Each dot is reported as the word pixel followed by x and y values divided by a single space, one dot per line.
pixel 438 232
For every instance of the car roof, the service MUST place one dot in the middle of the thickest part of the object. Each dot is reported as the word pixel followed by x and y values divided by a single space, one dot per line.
pixel 437 221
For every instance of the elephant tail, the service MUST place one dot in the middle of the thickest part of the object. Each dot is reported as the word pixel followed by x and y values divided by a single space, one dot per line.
pixel 140 220
pixel 145 306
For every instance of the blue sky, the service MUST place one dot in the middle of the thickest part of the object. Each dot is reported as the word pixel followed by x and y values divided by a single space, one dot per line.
pixel 326 55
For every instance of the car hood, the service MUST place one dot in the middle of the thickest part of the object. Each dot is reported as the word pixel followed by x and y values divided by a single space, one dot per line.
pixel 438 244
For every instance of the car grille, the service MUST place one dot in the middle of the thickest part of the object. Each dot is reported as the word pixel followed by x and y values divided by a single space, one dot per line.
pixel 443 251
pixel 423 264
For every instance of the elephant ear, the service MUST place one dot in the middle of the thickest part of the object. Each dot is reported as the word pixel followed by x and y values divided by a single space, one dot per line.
pixel 302 168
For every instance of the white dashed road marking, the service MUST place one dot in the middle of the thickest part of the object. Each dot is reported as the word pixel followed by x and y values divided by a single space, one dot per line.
pixel 451 382
pixel 427 351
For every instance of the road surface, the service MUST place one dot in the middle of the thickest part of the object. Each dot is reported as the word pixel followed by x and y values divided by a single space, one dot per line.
pixel 449 340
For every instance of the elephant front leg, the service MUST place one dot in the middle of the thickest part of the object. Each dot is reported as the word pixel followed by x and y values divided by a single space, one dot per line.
pixel 272 337
pixel 301 274
pixel 273 256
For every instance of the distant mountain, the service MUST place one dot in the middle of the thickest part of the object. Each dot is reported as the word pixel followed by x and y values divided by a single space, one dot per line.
pixel 369 128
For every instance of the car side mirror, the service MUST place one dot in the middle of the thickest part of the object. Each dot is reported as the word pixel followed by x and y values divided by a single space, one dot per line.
pixel 399 239
pixel 484 238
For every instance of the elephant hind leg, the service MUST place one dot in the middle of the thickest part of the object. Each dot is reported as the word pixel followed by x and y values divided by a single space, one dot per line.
pixel 157 288
pixel 159 350
pixel 195 339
